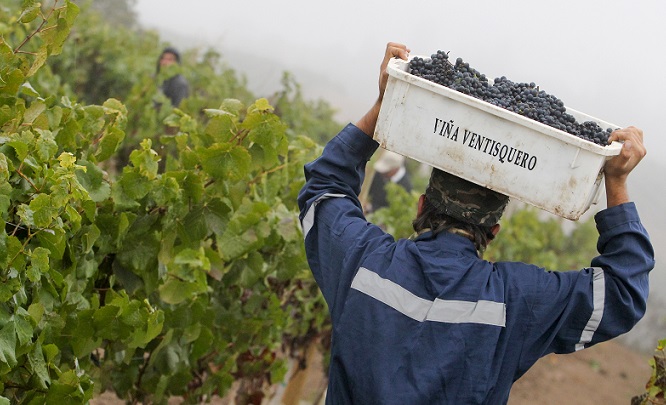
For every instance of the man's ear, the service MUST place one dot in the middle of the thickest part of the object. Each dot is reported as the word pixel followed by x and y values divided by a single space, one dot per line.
pixel 495 229
pixel 421 204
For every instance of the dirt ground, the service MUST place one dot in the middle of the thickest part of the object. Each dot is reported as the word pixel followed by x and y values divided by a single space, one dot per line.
pixel 608 374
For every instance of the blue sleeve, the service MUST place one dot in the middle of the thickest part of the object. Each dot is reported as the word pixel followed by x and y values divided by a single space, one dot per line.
pixel 627 258
pixel 340 169
pixel 572 310
pixel 331 215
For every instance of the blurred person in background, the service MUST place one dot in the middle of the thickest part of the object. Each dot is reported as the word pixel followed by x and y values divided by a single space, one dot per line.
pixel 389 168
pixel 174 87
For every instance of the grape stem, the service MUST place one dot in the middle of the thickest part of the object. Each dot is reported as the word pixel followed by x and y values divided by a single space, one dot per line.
pixel 37 30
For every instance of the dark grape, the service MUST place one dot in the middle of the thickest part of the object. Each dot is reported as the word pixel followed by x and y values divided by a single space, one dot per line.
pixel 526 99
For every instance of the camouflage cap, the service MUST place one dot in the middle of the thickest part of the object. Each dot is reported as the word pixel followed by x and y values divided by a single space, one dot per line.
pixel 464 200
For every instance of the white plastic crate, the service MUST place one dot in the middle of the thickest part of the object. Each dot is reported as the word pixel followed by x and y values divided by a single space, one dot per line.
pixel 491 146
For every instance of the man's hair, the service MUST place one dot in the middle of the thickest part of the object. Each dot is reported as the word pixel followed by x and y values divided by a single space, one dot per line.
pixel 433 219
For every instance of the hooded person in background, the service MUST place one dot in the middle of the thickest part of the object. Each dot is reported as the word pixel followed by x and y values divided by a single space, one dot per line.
pixel 175 88
pixel 427 320
pixel 389 168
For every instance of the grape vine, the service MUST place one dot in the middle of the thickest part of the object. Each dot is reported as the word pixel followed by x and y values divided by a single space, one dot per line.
pixel 153 282
pixel 655 388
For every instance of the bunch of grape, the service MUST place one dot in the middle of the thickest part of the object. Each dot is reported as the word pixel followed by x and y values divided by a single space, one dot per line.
pixel 525 99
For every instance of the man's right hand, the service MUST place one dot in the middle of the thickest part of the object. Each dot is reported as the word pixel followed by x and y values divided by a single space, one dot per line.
pixel 617 169
pixel 393 50
pixel 368 122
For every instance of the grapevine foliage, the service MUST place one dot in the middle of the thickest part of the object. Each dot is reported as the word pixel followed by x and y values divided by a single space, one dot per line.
pixel 151 280
pixel 655 389
pixel 528 237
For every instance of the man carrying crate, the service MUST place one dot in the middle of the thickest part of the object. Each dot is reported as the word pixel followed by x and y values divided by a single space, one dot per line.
pixel 427 320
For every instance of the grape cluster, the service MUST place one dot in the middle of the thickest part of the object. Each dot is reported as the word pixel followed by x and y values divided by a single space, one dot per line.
pixel 525 99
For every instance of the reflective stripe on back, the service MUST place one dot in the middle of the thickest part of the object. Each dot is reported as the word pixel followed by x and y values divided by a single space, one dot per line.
pixel 422 310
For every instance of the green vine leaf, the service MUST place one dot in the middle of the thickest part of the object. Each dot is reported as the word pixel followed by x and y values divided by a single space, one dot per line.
pixel 42 211
pixel 39 263
pixel 7 347
pixel 226 162
pixel 30 13
pixel 38 365
pixel 92 180
pixel 54 39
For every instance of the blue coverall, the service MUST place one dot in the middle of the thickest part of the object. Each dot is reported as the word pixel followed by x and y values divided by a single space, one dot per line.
pixel 426 321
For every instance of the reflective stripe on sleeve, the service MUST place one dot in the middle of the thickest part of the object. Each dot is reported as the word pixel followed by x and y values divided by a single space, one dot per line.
pixel 598 300
pixel 308 220
pixel 422 310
